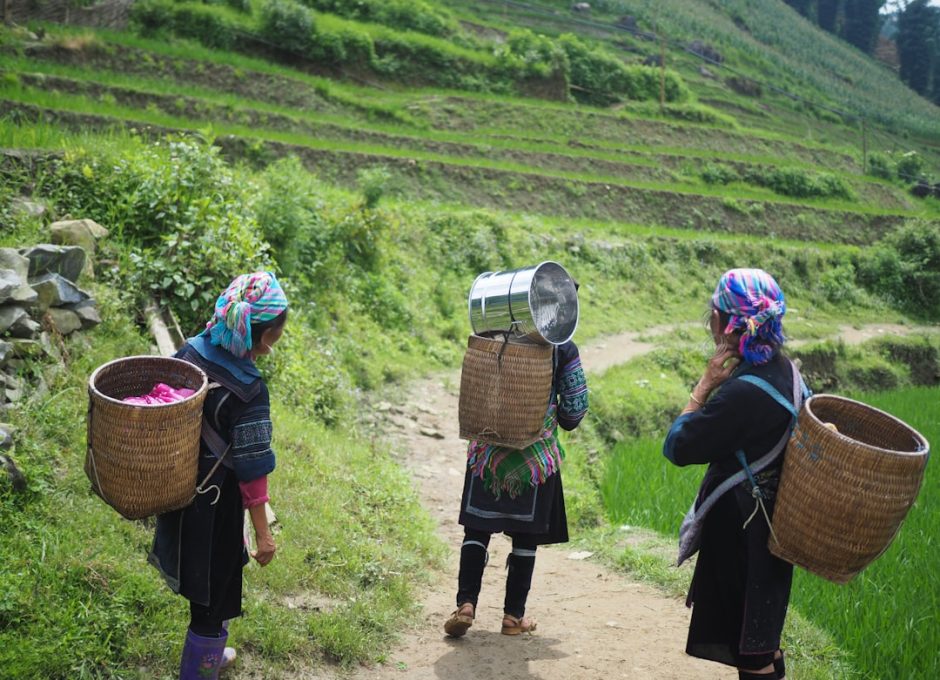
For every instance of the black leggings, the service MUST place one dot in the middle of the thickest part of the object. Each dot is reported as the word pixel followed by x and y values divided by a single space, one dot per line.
pixel 203 622
pixel 520 563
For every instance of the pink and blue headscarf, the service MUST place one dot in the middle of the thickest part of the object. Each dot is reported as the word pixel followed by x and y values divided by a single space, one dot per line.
pixel 755 304
pixel 249 298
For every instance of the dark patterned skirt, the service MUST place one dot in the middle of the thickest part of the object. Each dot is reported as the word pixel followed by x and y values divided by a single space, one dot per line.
pixel 539 512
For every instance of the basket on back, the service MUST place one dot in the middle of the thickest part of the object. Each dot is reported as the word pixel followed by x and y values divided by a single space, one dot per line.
pixel 505 388
pixel 844 493
pixel 142 460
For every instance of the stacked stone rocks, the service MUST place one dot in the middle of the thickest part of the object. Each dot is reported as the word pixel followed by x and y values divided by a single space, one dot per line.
pixel 40 299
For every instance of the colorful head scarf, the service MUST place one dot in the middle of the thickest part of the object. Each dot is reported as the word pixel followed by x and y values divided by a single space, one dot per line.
pixel 755 305
pixel 249 298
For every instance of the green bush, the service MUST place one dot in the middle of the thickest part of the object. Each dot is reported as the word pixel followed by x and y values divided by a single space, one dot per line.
pixel 288 25
pixel 799 183
pixel 533 55
pixel 911 167
pixel 373 183
pixel 837 284
pixel 413 15
pixel 182 213
pixel 601 78
pixel 211 25
pixel 905 268
pixel 716 173
pixel 881 165
pixel 285 209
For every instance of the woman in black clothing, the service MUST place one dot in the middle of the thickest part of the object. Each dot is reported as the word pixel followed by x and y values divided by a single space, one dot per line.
pixel 737 421
pixel 200 550
pixel 519 493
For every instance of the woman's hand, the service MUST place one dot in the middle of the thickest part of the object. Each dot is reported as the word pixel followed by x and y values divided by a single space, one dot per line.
pixel 266 547
pixel 719 368
pixel 263 538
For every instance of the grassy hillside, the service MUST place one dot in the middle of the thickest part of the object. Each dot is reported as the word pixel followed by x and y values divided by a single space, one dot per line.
pixel 379 157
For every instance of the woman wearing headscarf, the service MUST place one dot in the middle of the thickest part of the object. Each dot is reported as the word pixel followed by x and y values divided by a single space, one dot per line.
pixel 200 550
pixel 517 492
pixel 737 421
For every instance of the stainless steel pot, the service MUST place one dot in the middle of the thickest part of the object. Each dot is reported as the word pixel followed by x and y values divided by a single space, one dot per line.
pixel 538 303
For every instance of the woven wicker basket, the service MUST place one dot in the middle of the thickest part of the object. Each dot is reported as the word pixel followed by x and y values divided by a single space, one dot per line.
pixel 843 495
pixel 504 391
pixel 142 460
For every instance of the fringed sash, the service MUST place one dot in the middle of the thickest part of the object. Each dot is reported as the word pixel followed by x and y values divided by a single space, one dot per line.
pixel 512 470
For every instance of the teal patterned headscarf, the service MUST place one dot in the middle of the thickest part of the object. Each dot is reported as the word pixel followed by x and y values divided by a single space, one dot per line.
pixel 249 298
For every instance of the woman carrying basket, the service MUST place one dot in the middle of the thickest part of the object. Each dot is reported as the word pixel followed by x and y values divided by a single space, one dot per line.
pixel 519 493
pixel 200 550
pixel 737 421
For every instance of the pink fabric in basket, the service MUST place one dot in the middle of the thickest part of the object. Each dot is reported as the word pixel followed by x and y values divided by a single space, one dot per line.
pixel 161 394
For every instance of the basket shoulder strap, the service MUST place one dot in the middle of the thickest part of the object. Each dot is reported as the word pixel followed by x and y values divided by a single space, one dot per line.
pixel 214 441
pixel 772 391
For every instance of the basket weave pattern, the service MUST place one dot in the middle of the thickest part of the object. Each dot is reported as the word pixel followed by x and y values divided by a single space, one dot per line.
pixel 843 495
pixel 504 391
pixel 143 460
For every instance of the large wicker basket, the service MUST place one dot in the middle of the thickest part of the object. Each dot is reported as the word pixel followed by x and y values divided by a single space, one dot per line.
pixel 142 460
pixel 505 387
pixel 843 494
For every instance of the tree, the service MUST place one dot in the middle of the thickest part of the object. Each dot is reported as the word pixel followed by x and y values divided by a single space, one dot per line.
pixel 917 35
pixel 805 7
pixel 862 23
pixel 827 13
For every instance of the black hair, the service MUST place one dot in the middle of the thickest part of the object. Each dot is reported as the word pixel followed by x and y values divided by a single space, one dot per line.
pixel 258 329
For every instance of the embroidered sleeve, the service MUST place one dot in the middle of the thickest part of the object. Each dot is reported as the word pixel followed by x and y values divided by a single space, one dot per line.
pixel 572 393
pixel 252 454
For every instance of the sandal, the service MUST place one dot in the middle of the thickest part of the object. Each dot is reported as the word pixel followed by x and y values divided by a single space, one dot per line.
pixel 515 626
pixel 460 621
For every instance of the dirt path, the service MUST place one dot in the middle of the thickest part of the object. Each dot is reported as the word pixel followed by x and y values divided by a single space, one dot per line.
pixel 593 623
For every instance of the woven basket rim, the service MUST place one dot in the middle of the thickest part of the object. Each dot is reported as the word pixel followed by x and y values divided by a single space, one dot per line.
pixel 98 394
pixel 915 435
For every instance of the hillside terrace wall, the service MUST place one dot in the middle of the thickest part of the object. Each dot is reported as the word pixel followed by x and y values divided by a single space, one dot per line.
pixel 105 14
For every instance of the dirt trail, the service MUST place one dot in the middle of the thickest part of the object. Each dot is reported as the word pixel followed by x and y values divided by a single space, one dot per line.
pixel 593 623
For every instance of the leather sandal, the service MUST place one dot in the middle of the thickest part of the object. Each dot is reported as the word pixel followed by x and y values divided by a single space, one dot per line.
pixel 514 626
pixel 460 621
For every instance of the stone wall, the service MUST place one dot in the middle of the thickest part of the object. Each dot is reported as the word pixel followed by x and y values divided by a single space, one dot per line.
pixel 41 302
pixel 105 14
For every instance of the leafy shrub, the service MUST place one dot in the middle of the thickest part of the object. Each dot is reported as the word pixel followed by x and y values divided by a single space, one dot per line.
pixel 284 209
pixel 373 183
pixel 185 216
pixel 799 183
pixel 881 165
pixel 211 25
pixel 716 173
pixel 603 78
pixel 905 267
pixel 911 167
pixel 288 25
pixel 533 55
pixel 838 284
pixel 414 15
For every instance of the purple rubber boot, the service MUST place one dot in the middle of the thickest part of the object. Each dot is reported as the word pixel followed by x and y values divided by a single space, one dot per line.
pixel 202 656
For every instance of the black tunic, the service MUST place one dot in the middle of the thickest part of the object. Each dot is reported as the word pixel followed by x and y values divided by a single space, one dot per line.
pixel 539 511
pixel 739 591
pixel 200 550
